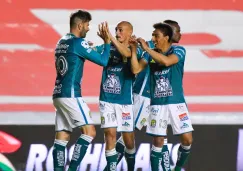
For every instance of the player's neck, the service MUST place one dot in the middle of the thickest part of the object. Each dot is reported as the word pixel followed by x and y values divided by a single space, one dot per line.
pixel 76 34
pixel 125 43
pixel 165 48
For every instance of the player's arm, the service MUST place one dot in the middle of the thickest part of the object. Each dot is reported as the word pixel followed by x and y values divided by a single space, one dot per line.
pixel 90 54
pixel 179 54
pixel 98 48
pixel 124 51
pixel 137 65
pixel 162 59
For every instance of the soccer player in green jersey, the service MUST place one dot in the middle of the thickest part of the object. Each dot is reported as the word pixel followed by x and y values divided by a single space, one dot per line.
pixel 116 100
pixel 141 98
pixel 175 39
pixel 71 110
pixel 166 64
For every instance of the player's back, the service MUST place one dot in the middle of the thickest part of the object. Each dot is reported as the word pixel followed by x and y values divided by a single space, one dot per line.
pixel 69 66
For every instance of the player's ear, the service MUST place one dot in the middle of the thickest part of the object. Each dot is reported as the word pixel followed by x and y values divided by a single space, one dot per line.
pixel 80 26
pixel 167 38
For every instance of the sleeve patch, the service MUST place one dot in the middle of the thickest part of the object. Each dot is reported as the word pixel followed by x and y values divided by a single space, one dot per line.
pixel 85 44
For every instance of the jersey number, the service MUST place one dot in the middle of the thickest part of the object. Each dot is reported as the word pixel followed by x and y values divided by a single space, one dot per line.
pixel 61 65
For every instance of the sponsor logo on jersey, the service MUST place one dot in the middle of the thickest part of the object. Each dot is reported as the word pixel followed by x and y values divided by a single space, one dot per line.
pixel 126 124
pixel 184 126
pixel 180 108
pixel 183 117
pixel 102 106
pixel 89 50
pixel 166 159
pixel 162 72
pixel 126 116
pixel 75 121
pixel 154 111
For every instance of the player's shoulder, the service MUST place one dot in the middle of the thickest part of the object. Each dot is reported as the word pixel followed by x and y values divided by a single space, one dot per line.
pixel 80 42
pixel 145 56
pixel 140 50
pixel 178 48
pixel 150 44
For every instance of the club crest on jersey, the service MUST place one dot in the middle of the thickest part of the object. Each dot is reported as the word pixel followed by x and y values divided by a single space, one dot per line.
pixel 153 123
pixel 163 88
pixel 102 119
pixel 112 84
pixel 143 121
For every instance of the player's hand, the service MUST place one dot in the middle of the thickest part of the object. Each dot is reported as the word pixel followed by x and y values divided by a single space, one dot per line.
pixel 104 32
pixel 143 43
pixel 133 42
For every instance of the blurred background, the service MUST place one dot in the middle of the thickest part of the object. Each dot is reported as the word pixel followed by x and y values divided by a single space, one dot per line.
pixel 212 33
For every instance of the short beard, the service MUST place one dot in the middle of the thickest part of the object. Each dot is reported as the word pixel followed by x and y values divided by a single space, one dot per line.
pixel 83 33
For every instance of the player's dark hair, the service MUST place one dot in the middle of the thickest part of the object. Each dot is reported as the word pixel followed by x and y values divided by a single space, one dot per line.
pixel 171 22
pixel 82 15
pixel 165 29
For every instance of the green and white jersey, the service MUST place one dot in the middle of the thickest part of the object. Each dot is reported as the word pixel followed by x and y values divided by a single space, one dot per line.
pixel 142 82
pixel 117 78
pixel 166 82
pixel 70 55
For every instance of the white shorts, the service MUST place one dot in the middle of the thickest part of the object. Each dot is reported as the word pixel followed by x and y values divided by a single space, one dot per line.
pixel 71 113
pixel 116 115
pixel 141 111
pixel 160 115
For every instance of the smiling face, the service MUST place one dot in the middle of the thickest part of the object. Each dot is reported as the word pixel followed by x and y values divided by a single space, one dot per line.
pixel 159 39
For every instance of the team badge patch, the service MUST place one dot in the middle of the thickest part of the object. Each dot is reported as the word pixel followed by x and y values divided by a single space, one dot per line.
pixel 153 123
pixel 85 44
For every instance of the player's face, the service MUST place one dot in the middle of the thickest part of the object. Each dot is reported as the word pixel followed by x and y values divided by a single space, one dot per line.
pixel 84 28
pixel 176 33
pixel 123 33
pixel 159 39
